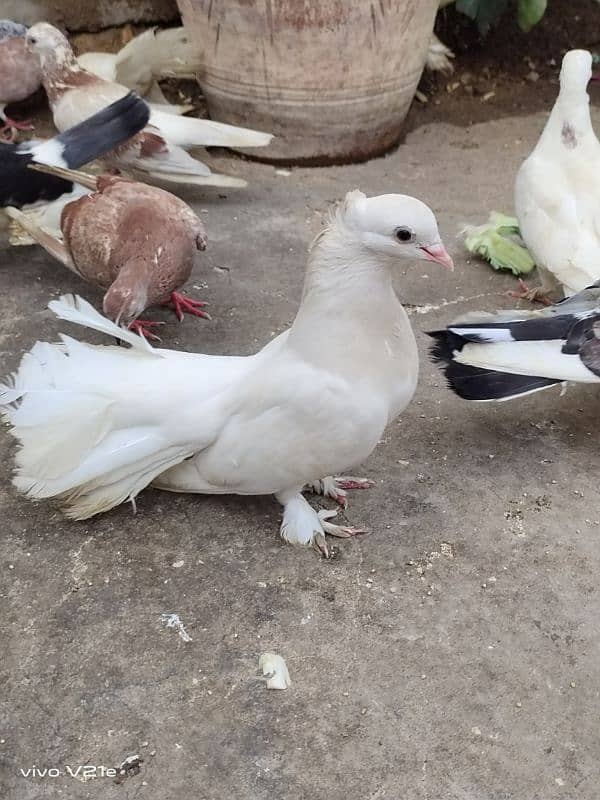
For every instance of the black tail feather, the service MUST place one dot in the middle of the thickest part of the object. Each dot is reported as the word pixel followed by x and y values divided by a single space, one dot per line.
pixel 476 383
pixel 444 346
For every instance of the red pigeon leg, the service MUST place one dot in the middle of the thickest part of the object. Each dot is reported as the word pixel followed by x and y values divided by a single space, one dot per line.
pixel 182 304
pixel 10 128
pixel 24 125
pixel 143 327
pixel 533 295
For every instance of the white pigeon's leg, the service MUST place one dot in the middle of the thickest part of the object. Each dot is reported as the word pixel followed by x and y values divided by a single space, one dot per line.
pixel 337 487
pixel 303 525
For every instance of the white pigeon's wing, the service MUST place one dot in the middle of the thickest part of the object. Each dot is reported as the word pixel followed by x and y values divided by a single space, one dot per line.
pixel 157 54
pixel 287 423
pixel 134 62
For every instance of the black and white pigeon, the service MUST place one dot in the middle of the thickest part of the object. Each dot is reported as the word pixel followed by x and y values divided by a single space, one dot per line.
pixel 100 133
pixel 507 354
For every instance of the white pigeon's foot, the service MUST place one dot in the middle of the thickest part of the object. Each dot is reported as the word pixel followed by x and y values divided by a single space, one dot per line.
pixel 438 57
pixel 337 487
pixel 303 525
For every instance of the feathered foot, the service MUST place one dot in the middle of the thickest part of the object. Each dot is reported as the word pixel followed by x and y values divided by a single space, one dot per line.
pixel 438 57
pixel 535 295
pixel 143 327
pixel 12 126
pixel 337 487
pixel 303 525
pixel 182 304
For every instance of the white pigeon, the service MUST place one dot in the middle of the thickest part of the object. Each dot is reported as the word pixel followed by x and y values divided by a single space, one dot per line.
pixel 557 199
pixel 159 151
pixel 98 424
pixel 512 353
pixel 148 57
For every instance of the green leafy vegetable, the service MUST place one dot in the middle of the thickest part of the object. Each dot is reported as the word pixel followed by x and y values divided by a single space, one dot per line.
pixel 498 242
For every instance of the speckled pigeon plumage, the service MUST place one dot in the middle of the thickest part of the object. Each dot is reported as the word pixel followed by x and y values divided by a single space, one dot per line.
pixel 136 241
pixel 159 151
pixel 20 72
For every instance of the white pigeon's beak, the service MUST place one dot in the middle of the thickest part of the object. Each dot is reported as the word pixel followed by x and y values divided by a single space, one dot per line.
pixel 439 254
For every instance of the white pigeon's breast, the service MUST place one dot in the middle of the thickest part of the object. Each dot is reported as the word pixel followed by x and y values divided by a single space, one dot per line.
pixel 403 371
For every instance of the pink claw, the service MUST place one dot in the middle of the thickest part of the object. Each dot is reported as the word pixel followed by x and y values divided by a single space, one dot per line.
pixel 358 483
pixel 182 304
pixel 10 128
pixel 533 295
pixel 25 125
pixel 143 327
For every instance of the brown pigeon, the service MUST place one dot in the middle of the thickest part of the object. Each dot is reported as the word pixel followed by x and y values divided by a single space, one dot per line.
pixel 136 241
pixel 20 73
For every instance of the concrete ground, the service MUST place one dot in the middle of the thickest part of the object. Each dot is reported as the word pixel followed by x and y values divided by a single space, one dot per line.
pixel 451 655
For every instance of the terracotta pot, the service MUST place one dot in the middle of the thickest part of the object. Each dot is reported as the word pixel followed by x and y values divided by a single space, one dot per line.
pixel 332 79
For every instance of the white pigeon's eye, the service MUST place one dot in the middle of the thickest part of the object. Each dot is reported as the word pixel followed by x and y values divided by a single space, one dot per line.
pixel 32 40
pixel 404 235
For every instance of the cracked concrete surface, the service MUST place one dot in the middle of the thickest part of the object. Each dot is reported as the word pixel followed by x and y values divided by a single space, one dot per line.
pixel 453 654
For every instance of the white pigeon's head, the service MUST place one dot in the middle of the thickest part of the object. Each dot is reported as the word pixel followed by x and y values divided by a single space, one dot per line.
pixel 575 72
pixel 395 225
pixel 49 44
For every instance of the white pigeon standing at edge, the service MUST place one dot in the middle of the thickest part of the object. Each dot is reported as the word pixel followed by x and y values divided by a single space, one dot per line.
pixel 557 189
pixel 159 151
pixel 98 424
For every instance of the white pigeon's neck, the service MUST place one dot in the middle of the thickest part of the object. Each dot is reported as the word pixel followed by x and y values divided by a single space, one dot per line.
pixel 570 119
pixel 340 267
pixel 348 299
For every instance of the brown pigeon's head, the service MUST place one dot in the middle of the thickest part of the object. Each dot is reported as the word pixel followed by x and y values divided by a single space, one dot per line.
pixel 125 300
pixel 49 43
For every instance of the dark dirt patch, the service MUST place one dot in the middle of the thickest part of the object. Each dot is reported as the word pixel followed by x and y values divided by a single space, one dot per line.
pixel 521 69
